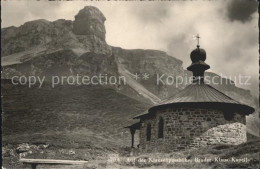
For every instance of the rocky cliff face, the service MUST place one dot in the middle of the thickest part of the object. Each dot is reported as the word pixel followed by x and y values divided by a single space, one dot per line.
pixel 90 21
pixel 63 47
pixel 85 34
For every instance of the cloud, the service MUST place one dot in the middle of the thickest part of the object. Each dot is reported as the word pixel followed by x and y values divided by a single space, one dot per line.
pixel 152 12
pixel 15 13
pixel 241 10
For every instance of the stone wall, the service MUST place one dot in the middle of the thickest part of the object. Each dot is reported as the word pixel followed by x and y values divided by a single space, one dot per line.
pixel 192 128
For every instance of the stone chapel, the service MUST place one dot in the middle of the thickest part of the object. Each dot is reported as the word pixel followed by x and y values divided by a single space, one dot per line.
pixel 197 116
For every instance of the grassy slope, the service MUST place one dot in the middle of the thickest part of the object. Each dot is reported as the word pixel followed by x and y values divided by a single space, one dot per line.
pixel 75 117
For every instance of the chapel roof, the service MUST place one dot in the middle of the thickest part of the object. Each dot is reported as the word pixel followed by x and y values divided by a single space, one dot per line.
pixel 201 96
pixel 198 94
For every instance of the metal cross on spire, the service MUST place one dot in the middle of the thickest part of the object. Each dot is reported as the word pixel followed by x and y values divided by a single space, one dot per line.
pixel 197 37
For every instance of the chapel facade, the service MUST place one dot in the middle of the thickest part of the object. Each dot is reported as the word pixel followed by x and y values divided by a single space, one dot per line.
pixel 197 116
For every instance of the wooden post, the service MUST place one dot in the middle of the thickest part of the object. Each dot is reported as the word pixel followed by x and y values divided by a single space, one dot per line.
pixel 133 136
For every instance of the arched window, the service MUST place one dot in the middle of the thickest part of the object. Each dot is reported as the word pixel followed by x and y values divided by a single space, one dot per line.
pixel 148 132
pixel 160 128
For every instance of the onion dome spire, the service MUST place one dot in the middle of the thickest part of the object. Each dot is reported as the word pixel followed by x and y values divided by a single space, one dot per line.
pixel 198 65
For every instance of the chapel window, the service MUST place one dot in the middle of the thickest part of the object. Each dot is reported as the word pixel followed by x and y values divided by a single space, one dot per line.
pixel 160 128
pixel 148 132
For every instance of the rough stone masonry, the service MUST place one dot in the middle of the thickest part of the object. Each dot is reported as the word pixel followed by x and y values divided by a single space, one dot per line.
pixel 192 128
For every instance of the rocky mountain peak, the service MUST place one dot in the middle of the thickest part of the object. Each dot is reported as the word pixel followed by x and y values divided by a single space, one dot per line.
pixel 90 21
pixel 86 33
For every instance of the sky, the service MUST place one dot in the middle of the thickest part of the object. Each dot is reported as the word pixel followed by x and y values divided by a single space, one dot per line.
pixel 228 29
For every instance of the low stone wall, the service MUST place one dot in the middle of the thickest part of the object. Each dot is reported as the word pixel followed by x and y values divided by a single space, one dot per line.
pixel 192 128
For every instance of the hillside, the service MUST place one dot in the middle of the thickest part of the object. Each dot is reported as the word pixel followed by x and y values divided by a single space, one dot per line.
pixel 64 109
pixel 67 117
